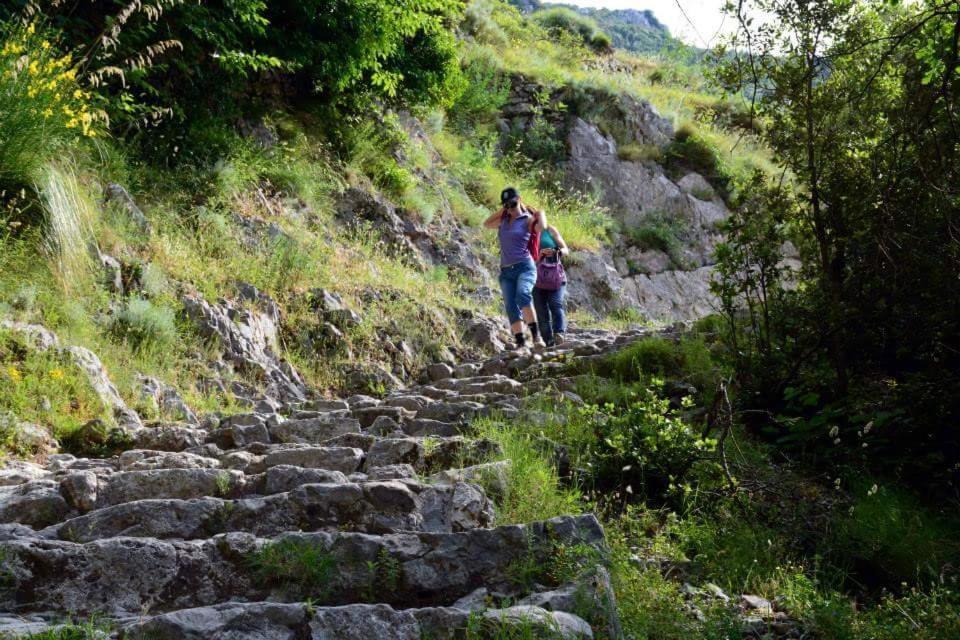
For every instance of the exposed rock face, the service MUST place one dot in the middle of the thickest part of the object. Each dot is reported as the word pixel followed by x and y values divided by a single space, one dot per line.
pixel 641 195
pixel 249 339
pixel 166 540
pixel 167 400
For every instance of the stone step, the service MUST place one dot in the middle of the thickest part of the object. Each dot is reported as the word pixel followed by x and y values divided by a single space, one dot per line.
pixel 261 620
pixel 372 507
pixel 132 576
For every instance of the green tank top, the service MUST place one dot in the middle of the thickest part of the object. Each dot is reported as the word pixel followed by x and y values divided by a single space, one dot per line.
pixel 546 240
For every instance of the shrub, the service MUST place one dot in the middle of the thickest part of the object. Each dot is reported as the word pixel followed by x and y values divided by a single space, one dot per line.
pixel 561 19
pixel 645 448
pixel 144 326
pixel 601 42
pixel 636 152
pixel 693 151
pixel 486 91
pixel 41 106
pixel 539 142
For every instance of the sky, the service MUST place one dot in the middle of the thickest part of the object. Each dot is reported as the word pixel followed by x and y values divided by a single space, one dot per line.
pixel 704 18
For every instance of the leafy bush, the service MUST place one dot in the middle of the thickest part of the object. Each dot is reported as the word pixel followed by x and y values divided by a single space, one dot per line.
pixel 693 151
pixel 539 142
pixel 486 91
pixel 558 20
pixel 601 42
pixel 42 108
pixel 145 326
pixel 644 448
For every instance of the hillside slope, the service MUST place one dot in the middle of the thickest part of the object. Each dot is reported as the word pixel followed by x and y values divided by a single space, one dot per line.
pixel 253 376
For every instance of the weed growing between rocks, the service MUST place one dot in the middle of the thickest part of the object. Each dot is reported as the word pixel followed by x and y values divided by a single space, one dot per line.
pixel 299 567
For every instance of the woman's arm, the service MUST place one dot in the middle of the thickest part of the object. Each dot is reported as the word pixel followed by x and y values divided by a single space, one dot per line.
pixel 494 220
pixel 558 238
pixel 538 219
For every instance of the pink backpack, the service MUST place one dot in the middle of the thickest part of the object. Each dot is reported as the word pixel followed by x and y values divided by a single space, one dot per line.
pixel 550 275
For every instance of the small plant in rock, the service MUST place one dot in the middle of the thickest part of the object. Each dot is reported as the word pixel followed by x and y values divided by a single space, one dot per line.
pixel 636 152
pixel 480 627
pixel 223 483
pixel 303 567
pixel 89 630
pixel 383 576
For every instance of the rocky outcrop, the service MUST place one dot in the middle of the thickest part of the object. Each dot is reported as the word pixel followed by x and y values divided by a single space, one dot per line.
pixel 247 329
pixel 670 280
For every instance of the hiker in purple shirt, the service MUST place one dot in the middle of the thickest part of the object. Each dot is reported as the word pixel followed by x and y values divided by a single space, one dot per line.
pixel 519 228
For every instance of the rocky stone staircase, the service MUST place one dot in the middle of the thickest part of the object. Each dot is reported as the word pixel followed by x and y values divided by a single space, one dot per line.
pixel 359 518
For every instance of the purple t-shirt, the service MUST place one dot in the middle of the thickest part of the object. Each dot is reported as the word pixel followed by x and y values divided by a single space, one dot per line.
pixel 514 239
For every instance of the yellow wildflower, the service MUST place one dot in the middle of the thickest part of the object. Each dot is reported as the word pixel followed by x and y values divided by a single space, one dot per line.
pixel 56 374
pixel 45 45
pixel 31 29
pixel 47 112
pixel 78 94
pixel 14 374
pixel 34 68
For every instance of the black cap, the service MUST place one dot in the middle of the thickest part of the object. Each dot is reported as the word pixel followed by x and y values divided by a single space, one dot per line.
pixel 509 194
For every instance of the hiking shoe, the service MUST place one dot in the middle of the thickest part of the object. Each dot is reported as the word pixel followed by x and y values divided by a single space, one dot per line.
pixel 539 345
pixel 558 338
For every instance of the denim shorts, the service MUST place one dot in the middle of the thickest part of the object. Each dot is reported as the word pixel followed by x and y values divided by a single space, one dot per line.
pixel 516 284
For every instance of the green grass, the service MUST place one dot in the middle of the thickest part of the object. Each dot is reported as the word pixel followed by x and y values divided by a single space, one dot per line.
pixel 304 568
pixel 888 527
pixel 44 388
pixel 533 491
pixel 89 630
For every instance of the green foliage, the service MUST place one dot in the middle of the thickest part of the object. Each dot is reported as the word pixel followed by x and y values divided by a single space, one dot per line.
pixel 532 490
pixel 44 388
pixel 558 20
pixel 888 528
pixel 688 359
pixel 303 567
pixel 694 151
pixel 480 627
pixel 636 152
pixel 645 448
pixel 384 575
pixel 88 630
pixel 486 91
pixel 661 233
pixel 144 325
pixel 855 98
pixel 42 108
